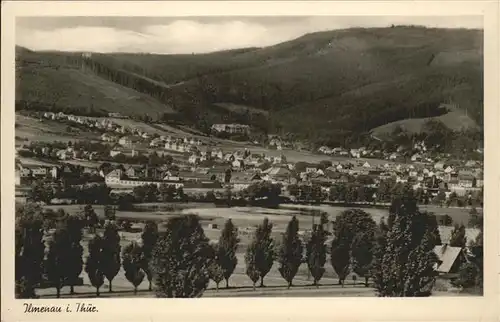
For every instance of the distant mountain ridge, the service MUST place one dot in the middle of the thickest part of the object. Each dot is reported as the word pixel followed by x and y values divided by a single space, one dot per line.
pixel 326 86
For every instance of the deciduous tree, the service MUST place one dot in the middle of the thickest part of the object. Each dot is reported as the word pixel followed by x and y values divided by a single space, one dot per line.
pixel 181 259
pixel 406 266
pixel 133 258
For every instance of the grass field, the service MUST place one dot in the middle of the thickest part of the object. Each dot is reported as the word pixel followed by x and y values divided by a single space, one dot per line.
pixel 455 120
pixel 251 216
pixel 31 129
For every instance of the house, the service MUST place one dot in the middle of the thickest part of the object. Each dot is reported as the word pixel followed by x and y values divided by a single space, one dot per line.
pixel 181 148
pixel 64 154
pixel 366 165
pixel 194 159
pixel 416 157
pixel 156 142
pixel 17 177
pixel 128 141
pixel 229 157
pixel 253 159
pixel 466 180
pixel 449 259
pixel 324 149
pixel 115 115
pixel 171 176
pixel 231 128
pixel 279 159
pixel 448 169
pixel 239 164
pixel 126 152
pixel 90 171
pixel 113 177
pixel 216 153
pixel 471 163
pixel 393 156
pixel 132 172
pixel 39 171
pixel 479 180
pixel 439 166
pixel 355 153
pixel 49 115
pixel 24 172
pixel 278 173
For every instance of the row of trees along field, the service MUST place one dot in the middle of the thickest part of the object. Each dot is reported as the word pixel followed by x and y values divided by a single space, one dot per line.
pixel 397 254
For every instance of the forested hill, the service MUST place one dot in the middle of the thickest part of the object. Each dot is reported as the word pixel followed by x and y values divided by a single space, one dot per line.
pixel 323 86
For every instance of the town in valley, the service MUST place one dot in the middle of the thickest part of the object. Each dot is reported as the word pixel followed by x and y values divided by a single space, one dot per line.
pixel 251 178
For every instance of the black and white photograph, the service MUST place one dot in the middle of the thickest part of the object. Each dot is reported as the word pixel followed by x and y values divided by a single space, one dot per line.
pixel 249 156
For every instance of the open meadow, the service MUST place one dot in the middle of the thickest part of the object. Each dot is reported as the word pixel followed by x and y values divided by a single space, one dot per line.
pixel 212 220
pixel 32 129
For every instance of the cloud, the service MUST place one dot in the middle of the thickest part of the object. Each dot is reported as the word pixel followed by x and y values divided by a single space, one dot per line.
pixel 197 35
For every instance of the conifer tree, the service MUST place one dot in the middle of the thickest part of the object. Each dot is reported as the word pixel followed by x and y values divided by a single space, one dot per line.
pixel 340 257
pixel 380 244
pixel 111 253
pixel 90 216
pixel 433 229
pixel 215 270
pixel 251 263
pixel 226 250
pixel 29 248
pixel 55 264
pixel 290 252
pixel 316 254
pixel 362 249
pixel 94 263
pixel 260 253
pixel 149 238
pixel 132 264
pixel 109 212
pixel 74 259
pixel 458 237
pixel 181 259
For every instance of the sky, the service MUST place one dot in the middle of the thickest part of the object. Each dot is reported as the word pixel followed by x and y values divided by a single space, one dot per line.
pixel 176 35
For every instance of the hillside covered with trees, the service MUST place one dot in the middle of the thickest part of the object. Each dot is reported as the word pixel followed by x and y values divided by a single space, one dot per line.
pixel 325 87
